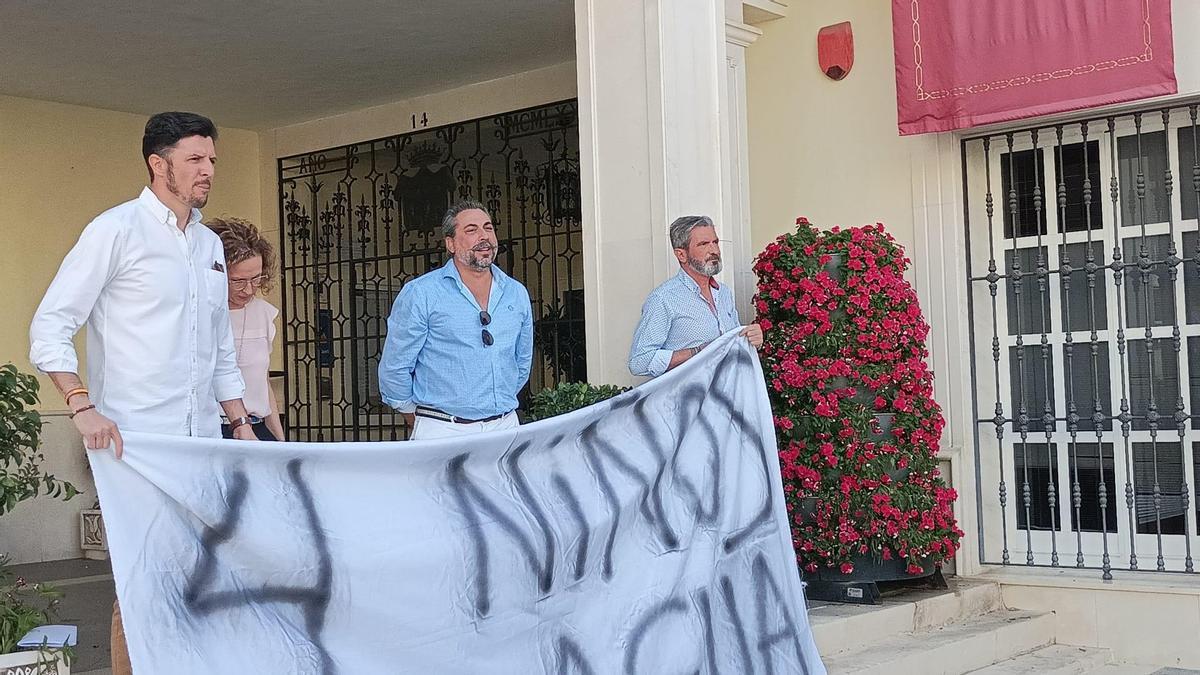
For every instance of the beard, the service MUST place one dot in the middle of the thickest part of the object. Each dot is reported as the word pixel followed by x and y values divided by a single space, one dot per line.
pixel 480 257
pixel 194 200
pixel 710 268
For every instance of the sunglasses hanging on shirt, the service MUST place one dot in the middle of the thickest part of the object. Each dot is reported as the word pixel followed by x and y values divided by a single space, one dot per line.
pixel 485 319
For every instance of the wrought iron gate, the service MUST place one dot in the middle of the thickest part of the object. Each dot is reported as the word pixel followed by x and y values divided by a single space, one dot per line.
pixel 360 220
pixel 1084 267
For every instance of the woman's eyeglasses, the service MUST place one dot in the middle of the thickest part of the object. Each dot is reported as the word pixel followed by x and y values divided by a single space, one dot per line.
pixel 485 319
pixel 243 284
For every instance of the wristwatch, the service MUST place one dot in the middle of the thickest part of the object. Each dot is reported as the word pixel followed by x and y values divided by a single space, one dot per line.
pixel 238 421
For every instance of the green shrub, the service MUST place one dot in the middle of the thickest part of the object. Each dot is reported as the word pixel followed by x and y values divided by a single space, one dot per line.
pixel 569 396
pixel 21 475
pixel 23 607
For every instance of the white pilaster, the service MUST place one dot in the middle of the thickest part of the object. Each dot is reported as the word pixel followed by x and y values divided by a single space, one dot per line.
pixel 652 75
pixel 939 274
pixel 734 225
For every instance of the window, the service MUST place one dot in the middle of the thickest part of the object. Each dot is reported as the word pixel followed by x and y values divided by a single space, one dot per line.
pixel 1032 381
pixel 1084 308
pixel 1036 463
pixel 1028 307
pixel 1071 166
pixel 1020 172
pixel 1144 155
pixel 1108 302
pixel 1189 192
pixel 1091 462
pixel 1153 372
pixel 1089 384
pixel 1158 465
pixel 1149 294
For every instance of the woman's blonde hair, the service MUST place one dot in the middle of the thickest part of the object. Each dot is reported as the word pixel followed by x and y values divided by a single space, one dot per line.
pixel 242 241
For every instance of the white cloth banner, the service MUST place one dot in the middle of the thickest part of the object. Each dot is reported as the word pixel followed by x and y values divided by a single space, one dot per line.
pixel 645 534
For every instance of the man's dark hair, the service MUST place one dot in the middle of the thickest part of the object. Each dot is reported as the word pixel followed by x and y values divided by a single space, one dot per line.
pixel 449 221
pixel 166 129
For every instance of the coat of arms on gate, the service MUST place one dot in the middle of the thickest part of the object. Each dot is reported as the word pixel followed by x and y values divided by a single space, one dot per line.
pixel 425 189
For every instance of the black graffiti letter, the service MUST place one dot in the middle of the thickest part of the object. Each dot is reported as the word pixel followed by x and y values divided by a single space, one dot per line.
pixel 767 591
pixel 657 612
pixel 571 659
pixel 313 601
pixel 472 500
pixel 741 363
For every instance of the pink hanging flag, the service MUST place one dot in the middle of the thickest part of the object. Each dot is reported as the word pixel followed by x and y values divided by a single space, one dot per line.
pixel 963 63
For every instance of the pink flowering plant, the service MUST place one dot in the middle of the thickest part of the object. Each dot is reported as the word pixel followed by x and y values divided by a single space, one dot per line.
pixel 844 353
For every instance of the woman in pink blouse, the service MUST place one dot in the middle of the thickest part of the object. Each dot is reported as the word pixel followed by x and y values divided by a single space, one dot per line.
pixel 250 267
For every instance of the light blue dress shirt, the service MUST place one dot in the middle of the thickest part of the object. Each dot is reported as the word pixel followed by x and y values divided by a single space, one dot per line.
pixel 676 316
pixel 434 354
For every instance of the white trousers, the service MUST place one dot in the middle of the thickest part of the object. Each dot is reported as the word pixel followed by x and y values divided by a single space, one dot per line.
pixel 426 428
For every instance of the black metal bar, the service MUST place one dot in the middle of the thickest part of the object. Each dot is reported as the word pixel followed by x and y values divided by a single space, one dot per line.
pixel 999 419
pixel 1065 270
pixel 1180 417
pixel 284 285
pixel 1098 418
pixel 1145 265
pixel 1022 409
pixel 1118 266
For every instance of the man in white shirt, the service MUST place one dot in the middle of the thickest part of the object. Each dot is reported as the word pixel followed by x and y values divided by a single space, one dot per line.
pixel 148 279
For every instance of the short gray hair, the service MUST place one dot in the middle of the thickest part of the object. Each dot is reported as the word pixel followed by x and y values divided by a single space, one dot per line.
pixel 448 224
pixel 681 229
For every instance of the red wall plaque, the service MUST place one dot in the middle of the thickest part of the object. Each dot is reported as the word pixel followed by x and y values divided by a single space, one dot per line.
pixel 835 50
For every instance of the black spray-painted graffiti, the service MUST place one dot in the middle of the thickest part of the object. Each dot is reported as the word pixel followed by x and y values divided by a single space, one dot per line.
pixel 665 444
pixel 660 442
pixel 755 643
pixel 313 600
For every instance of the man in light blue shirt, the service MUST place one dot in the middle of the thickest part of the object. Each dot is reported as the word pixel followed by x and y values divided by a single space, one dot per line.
pixel 460 338
pixel 690 309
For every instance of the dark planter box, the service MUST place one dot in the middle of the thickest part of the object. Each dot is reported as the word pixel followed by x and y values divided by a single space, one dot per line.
pixel 867 568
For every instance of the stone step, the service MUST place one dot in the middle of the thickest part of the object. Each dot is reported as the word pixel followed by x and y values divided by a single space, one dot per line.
pixel 1052 660
pixel 839 628
pixel 1133 669
pixel 954 649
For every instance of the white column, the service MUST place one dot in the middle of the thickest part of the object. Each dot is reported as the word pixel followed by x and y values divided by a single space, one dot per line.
pixel 651 79
pixel 734 225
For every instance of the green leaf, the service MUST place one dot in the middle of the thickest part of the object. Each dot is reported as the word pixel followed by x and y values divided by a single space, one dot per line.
pixel 21 476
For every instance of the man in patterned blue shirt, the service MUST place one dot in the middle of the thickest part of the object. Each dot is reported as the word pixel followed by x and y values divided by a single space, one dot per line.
pixel 690 309
pixel 460 338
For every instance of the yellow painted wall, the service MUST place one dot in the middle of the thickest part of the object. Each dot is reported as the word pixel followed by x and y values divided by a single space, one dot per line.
pixel 823 149
pixel 60 166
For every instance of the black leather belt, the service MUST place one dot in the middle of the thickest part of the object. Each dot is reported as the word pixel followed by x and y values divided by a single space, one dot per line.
pixel 435 414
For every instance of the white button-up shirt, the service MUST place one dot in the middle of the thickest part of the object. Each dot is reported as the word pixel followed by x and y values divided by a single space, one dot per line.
pixel 155 301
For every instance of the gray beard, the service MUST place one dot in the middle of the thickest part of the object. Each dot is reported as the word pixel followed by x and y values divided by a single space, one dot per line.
pixel 705 269
pixel 472 260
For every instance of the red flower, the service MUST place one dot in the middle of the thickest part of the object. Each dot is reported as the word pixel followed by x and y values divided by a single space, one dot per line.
pixel 876 340
pixel 847 568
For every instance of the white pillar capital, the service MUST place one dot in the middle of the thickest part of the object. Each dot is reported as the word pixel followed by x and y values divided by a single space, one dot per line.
pixel 741 34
